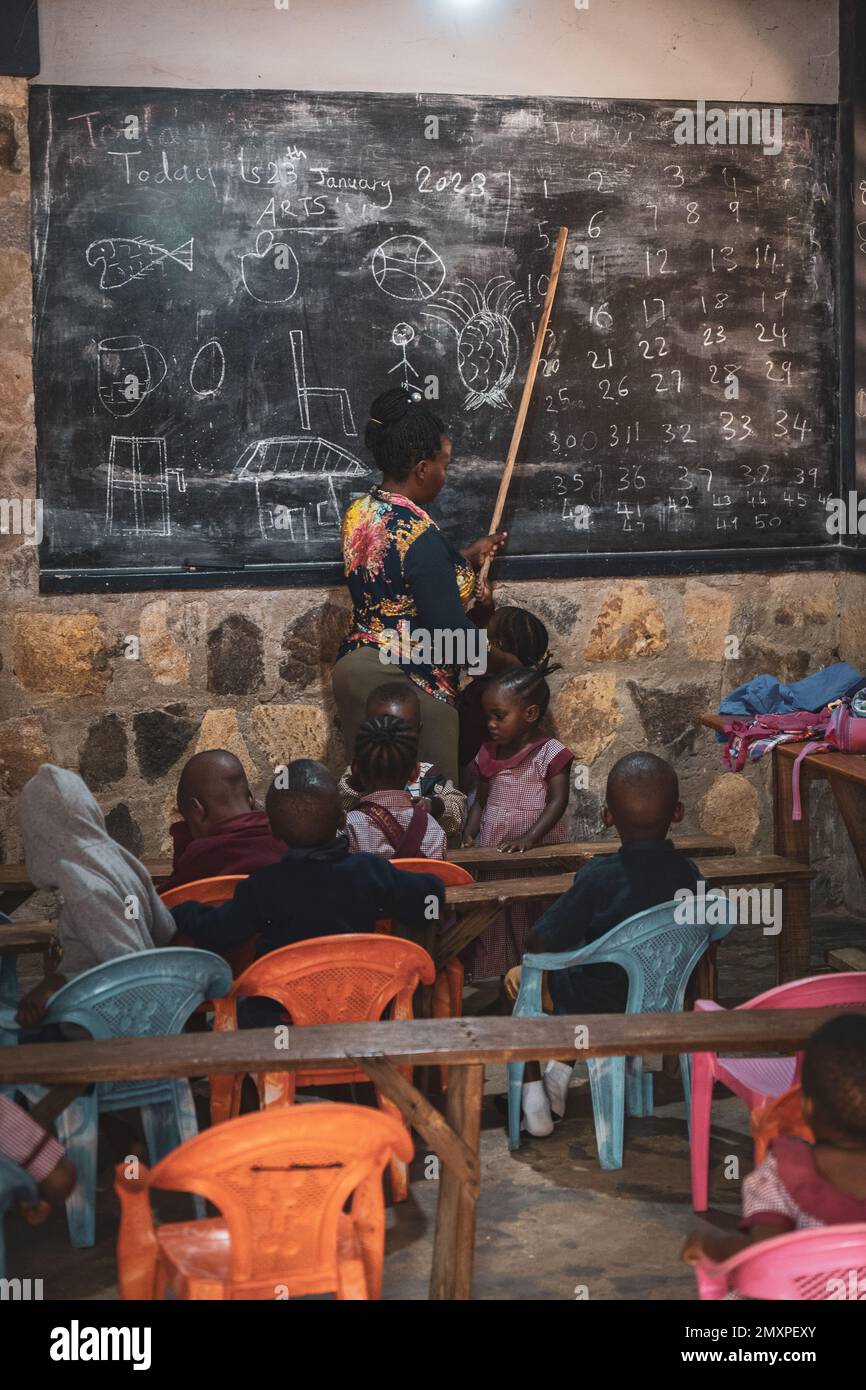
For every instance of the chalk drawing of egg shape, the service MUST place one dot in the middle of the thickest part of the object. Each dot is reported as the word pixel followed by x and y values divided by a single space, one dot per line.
pixel 270 274
pixel 208 369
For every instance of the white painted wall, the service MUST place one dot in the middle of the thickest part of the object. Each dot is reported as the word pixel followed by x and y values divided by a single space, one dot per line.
pixel 765 50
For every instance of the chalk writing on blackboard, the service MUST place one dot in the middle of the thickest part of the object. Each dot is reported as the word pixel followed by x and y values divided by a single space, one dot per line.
pixel 258 265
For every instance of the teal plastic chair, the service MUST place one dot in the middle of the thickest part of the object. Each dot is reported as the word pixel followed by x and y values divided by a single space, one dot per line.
pixel 8 975
pixel 144 994
pixel 658 954
pixel 16 1185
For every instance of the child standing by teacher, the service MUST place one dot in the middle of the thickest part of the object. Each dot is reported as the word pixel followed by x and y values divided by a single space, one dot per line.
pixel 523 788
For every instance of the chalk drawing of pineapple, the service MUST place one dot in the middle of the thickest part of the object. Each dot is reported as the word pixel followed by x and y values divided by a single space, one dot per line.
pixel 487 343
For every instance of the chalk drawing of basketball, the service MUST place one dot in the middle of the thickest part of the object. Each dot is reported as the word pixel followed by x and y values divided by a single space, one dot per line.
pixel 407 267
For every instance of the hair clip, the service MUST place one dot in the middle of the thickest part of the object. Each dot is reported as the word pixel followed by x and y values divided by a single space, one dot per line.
pixel 374 421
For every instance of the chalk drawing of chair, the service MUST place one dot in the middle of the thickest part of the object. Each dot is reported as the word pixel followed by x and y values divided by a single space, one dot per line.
pixel 305 392
pixel 139 480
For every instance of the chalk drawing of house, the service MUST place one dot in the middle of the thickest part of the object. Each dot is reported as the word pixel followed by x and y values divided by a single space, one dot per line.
pixel 294 482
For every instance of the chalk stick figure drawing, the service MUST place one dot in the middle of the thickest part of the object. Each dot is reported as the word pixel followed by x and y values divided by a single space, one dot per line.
pixel 307 393
pixel 137 499
pixel 207 370
pixel 270 274
pixel 127 370
pixel 131 258
pixel 402 336
pixel 487 344
pixel 309 465
pixel 407 267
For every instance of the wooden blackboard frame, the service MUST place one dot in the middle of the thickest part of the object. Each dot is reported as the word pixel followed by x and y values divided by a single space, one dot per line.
pixel 830 557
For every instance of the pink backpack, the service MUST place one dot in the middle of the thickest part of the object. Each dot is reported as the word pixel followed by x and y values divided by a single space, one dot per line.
pixel 843 732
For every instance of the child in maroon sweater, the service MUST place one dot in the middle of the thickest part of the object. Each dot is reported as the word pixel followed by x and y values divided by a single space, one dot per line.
pixel 221 831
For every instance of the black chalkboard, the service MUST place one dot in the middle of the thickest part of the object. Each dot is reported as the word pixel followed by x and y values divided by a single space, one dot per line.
pixel 224 280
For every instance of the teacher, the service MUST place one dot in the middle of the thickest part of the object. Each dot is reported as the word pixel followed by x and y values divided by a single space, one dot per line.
pixel 400 570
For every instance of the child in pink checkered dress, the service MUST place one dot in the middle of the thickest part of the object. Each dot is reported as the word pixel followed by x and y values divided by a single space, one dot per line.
pixel 801 1185
pixel 522 798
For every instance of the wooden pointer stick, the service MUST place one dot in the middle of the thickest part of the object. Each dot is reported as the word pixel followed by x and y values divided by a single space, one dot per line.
pixel 527 394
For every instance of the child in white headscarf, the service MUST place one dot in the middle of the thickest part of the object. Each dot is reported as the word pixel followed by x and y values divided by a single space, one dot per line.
pixel 110 905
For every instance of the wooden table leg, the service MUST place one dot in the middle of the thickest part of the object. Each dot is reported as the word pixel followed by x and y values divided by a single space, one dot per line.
pixel 454 1240
pixel 851 800
pixel 791 839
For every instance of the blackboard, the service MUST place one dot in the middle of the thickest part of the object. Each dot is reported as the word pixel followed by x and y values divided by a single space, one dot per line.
pixel 224 280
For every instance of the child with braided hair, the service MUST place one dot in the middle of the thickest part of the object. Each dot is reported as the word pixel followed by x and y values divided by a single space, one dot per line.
pixel 515 639
pixel 386 820
pixel 523 787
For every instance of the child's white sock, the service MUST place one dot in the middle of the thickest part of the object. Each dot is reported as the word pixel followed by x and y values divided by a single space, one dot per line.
pixel 537 1119
pixel 556 1077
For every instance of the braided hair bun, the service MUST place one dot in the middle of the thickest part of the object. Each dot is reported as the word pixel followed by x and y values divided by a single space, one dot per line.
pixel 401 431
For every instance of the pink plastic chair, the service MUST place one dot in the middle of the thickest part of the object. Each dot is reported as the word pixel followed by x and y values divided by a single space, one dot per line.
pixel 828 1262
pixel 757 1080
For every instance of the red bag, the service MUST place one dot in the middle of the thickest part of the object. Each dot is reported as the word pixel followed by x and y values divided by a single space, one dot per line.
pixel 844 733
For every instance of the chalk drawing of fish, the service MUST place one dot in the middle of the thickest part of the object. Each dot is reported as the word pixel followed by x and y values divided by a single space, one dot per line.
pixel 129 258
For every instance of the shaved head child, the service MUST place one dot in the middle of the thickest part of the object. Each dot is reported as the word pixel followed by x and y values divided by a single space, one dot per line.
pixel 221 831
pixel 319 887
pixel 642 801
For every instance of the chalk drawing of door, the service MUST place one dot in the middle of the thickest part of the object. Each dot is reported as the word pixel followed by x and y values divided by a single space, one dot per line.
pixel 137 495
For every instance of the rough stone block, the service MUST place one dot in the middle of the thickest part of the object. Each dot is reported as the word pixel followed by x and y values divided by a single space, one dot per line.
pixel 629 624
pixel 104 755
pixel 161 736
pixel 127 832
pixel 286 732
pixel 235 656
pixel 310 643
pixel 168 659
pixel 220 729
pixel 587 714
pixel 708 621
pixel 731 809
pixel 23 748
pixel 60 653
pixel 671 718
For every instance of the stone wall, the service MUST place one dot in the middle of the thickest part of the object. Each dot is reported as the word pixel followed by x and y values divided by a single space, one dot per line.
pixel 248 670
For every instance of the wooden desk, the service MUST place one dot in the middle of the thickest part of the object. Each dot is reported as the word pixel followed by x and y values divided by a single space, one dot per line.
pixel 846 774
pixel 478 903
pixel 466 1045
pixel 14 883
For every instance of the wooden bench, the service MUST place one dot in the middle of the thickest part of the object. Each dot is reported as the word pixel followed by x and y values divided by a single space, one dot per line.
pixel 15 886
pixel 846 958
pixel 479 903
pixel 465 1044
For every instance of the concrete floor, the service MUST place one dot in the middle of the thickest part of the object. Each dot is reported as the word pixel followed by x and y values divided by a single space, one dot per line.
pixel 551 1224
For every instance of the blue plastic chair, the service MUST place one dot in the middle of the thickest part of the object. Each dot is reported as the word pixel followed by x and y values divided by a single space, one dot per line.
pixel 16 1185
pixel 144 994
pixel 8 974
pixel 658 955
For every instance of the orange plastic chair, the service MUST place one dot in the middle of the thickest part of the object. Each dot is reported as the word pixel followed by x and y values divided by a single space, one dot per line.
pixel 448 989
pixel 281 1180
pixel 781 1117
pixel 356 978
pixel 214 892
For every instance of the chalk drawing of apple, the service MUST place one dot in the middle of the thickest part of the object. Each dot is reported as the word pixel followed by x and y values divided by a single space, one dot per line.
pixel 270 274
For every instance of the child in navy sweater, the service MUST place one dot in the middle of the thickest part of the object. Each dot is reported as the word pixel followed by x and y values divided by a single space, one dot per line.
pixel 319 888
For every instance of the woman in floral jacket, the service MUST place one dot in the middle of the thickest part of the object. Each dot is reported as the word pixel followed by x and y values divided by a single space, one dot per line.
pixel 400 569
